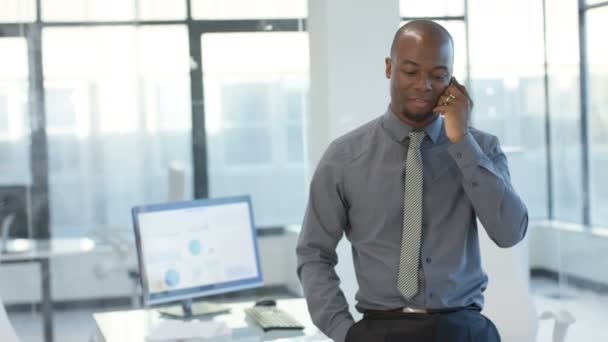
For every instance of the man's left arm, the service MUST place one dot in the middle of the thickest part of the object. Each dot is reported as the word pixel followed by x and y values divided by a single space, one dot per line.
pixel 486 178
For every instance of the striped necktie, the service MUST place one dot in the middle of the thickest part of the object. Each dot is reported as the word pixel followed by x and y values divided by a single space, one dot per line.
pixel 407 282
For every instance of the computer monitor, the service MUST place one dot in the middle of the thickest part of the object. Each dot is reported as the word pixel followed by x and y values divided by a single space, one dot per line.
pixel 188 250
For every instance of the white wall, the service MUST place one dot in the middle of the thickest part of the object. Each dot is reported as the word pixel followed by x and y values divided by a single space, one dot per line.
pixel 349 40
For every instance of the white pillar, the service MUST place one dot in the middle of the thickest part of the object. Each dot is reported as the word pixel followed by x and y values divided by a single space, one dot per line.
pixel 349 40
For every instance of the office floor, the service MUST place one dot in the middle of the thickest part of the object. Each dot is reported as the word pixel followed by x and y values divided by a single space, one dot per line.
pixel 589 308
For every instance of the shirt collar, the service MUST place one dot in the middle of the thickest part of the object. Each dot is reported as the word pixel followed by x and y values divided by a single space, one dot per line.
pixel 400 130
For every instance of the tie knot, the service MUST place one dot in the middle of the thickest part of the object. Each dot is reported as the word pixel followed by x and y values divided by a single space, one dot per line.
pixel 416 138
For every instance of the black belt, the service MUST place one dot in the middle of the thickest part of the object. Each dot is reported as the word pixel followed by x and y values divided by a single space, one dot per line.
pixel 408 311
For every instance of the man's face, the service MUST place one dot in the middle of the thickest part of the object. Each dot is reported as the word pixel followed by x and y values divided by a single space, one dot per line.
pixel 419 70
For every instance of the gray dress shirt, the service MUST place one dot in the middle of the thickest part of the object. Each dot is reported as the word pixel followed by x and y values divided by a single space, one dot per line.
pixel 357 190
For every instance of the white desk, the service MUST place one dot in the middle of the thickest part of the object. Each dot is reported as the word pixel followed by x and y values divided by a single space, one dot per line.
pixel 135 325
pixel 42 251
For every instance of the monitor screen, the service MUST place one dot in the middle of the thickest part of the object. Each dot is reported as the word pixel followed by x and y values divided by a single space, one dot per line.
pixel 194 249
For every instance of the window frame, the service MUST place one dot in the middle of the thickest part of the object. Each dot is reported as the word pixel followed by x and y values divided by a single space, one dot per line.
pixel 583 10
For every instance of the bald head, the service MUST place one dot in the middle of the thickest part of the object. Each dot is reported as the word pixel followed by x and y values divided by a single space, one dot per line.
pixel 423 30
pixel 420 70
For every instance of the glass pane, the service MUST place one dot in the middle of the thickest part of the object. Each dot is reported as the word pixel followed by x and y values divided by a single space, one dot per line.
pixel 113 10
pixel 591 2
pixel 254 110
pixel 118 116
pixel 247 9
pixel 14 122
pixel 458 33
pixel 432 8
pixel 162 9
pixel 565 110
pixel 88 10
pixel 597 54
pixel 508 90
pixel 17 11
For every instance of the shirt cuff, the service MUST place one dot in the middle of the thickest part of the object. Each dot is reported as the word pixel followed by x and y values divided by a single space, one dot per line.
pixel 466 152
pixel 339 333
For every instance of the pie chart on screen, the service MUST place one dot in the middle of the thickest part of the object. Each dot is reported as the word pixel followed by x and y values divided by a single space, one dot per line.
pixel 195 247
pixel 171 278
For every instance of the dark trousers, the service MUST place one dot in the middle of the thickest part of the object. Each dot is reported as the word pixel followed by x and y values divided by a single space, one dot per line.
pixel 460 326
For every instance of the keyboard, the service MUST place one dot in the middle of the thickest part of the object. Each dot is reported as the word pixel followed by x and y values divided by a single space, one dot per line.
pixel 270 317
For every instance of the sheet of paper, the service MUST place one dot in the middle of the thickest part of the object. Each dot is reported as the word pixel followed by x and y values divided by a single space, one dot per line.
pixel 169 330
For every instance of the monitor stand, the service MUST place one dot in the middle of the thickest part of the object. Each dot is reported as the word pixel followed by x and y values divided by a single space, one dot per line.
pixel 188 310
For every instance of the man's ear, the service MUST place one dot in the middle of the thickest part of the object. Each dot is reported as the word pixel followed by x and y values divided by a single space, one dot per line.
pixel 388 63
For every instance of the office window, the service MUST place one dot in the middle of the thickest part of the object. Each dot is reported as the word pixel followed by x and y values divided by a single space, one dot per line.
pixel 597 86
pixel 257 151
pixel 247 120
pixel 508 89
pixel 17 11
pixel 118 116
pixel 296 105
pixel 112 10
pixel 162 9
pixel 564 109
pixel 591 2
pixel 247 9
pixel 60 102
pixel 4 120
pixel 433 8
pixel 254 110
pixel 161 104
pixel 253 105
pixel 14 119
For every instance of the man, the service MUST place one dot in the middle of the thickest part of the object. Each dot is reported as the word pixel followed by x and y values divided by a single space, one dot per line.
pixel 407 189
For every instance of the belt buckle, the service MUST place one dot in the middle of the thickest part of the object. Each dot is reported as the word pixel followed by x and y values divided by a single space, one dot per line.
pixel 413 310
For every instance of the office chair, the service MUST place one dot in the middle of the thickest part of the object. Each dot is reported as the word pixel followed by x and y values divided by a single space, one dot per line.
pixel 13 222
pixel 5 226
pixel 7 333
pixel 177 182
pixel 7 216
pixel 509 303
pixel 563 319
